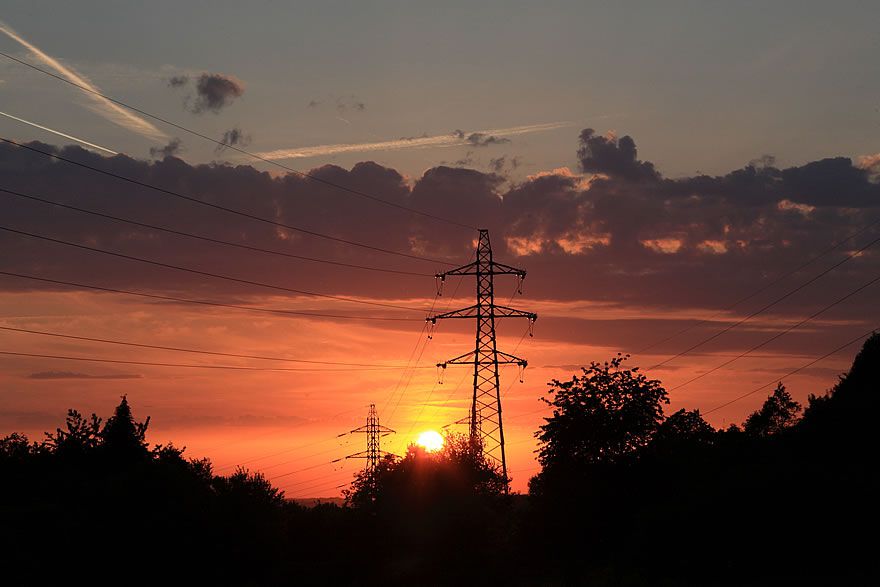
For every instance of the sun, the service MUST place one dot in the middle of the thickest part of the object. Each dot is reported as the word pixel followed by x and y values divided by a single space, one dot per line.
pixel 430 440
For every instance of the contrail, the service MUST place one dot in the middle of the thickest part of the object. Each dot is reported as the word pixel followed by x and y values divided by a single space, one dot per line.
pixel 59 133
pixel 102 106
pixel 447 140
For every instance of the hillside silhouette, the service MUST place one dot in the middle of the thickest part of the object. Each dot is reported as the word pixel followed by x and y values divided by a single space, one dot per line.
pixel 627 495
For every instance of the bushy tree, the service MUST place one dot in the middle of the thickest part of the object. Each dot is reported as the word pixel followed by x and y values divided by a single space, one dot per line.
pixel 778 413
pixel 604 416
pixel 683 430
pixel 250 488
pixel 81 436
pixel 459 468
pixel 16 447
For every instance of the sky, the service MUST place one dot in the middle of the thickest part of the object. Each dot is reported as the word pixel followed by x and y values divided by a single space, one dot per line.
pixel 648 164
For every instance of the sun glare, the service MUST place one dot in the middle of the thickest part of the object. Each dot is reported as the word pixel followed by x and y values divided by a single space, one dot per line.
pixel 430 440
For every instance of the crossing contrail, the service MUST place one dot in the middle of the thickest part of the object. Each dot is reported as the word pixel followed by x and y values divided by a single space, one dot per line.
pixel 60 134
pixel 446 140
pixel 102 106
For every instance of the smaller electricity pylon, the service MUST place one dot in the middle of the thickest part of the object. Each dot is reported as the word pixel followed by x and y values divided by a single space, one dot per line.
pixel 374 452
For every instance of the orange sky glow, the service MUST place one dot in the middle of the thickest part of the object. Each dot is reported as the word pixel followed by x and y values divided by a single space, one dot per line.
pixel 286 424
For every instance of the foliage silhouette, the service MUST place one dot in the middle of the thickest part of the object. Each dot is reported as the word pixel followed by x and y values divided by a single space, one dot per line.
pixel 436 509
pixel 778 413
pixel 604 416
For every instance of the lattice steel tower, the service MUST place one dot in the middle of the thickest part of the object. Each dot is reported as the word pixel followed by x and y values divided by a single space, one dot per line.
pixel 374 432
pixel 485 417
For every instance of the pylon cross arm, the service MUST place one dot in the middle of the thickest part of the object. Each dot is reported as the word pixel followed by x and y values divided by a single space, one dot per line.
pixel 505 312
pixel 475 312
pixel 470 357
pixel 502 269
pixel 494 269
pixel 463 270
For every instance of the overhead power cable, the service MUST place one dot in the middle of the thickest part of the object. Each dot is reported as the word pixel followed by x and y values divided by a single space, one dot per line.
pixel 208 273
pixel 779 334
pixel 220 207
pixel 207 238
pixel 205 302
pixel 183 365
pixel 763 288
pixel 194 351
pixel 769 305
pixel 795 371
pixel 225 145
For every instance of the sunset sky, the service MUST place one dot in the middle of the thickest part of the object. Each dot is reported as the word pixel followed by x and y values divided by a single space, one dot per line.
pixel 646 165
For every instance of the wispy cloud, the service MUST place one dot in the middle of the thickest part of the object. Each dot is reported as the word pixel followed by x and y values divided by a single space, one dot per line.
pixel 455 139
pixel 60 134
pixel 102 106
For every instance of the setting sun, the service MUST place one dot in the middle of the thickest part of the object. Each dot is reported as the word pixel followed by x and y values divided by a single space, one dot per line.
pixel 430 440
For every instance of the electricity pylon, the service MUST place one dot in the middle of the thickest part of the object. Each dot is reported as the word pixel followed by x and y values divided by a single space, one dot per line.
pixel 374 432
pixel 485 417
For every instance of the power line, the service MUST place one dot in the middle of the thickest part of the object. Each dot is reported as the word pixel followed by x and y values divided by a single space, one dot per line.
pixel 206 273
pixel 779 334
pixel 209 239
pixel 301 470
pixel 205 302
pixel 185 365
pixel 794 372
pixel 281 452
pixel 768 306
pixel 764 288
pixel 268 434
pixel 220 207
pixel 243 151
pixel 195 351
pixel 430 337
pixel 300 458
pixel 317 485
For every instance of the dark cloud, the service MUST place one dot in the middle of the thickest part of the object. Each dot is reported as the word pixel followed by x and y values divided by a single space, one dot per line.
pixel 213 92
pixel 465 161
pixel 178 81
pixel 626 236
pixel 479 139
pixel 233 137
pixel 172 149
pixel 342 104
pixel 502 163
pixel 75 375
pixel 612 156
pixel 352 102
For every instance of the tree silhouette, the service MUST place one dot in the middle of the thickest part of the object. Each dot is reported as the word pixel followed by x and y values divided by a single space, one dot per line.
pixel 604 416
pixel 81 436
pixel 683 429
pixel 122 438
pixel 778 413
pixel 459 468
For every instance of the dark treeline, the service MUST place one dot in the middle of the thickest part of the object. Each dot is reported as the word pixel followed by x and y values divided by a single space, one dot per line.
pixel 627 495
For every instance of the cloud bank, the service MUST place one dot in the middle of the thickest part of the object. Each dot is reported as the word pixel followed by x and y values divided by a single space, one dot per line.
pixel 614 234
